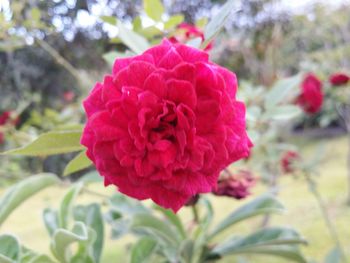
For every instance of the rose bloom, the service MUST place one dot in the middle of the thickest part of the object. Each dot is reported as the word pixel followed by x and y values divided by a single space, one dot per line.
pixel 288 161
pixel 164 124
pixel 311 96
pixel 189 32
pixel 339 79
pixel 236 185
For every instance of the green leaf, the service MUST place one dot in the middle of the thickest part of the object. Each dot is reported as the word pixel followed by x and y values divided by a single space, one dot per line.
pixel 265 204
pixel 10 249
pixel 79 162
pixel 173 21
pixel 134 41
pixel 126 206
pixel 21 191
pixel 151 225
pixel 29 256
pixel 202 22
pixel 284 112
pixel 112 20
pixel 50 143
pixel 111 56
pixel 154 9
pixel 67 205
pixel 137 24
pixel 334 256
pixel 91 177
pixel 63 238
pixel 217 22
pixel 279 242
pixel 142 250
pixel 35 14
pixel 51 221
pixel 174 219
pixel 282 90
pixel 92 217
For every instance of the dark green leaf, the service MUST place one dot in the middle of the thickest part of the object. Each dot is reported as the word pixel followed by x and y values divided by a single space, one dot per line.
pixel 142 250
pixel 51 143
pixel 21 191
pixel 262 205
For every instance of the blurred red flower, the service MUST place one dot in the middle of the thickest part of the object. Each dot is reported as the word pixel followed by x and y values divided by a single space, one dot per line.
pixel 236 185
pixel 311 96
pixel 6 119
pixel 339 79
pixel 164 124
pixel 68 96
pixel 288 161
pixel 190 32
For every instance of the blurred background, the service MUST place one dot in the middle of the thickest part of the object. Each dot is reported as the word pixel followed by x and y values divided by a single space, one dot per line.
pixel 53 52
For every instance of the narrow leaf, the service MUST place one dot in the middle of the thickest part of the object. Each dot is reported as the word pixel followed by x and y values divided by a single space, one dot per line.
pixel 79 162
pixel 262 205
pixel 21 191
pixel 217 22
pixel 142 250
pixel 174 219
pixel 67 205
pixel 112 20
pixel 282 90
pixel 154 9
pixel 284 112
pixel 134 41
pixel 57 142
pixel 173 21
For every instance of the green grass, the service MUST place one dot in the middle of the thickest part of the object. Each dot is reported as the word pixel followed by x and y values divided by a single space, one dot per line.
pixel 302 213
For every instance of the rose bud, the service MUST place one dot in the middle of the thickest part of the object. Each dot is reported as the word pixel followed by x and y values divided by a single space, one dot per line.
pixel 235 185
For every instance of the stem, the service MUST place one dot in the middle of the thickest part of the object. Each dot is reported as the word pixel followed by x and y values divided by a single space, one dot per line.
pixel 195 214
pixel 313 189
pixel 58 58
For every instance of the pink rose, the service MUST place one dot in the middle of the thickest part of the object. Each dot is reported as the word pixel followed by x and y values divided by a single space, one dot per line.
pixel 339 79
pixel 288 161
pixel 164 124
pixel 311 95
pixel 236 185
pixel 189 32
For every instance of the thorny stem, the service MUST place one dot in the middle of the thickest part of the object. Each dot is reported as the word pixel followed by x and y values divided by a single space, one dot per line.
pixel 313 189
